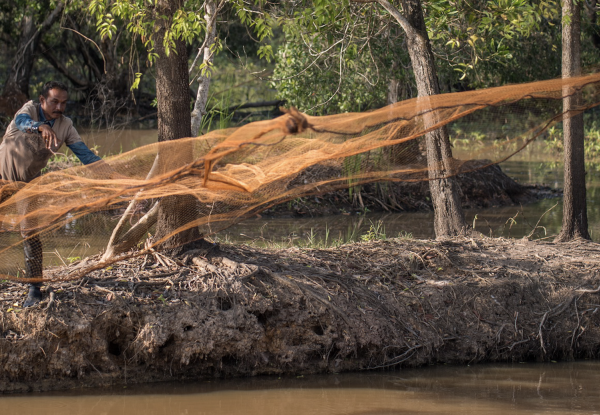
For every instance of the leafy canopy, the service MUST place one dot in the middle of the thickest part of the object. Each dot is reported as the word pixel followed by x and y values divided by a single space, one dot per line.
pixel 353 50
pixel 188 23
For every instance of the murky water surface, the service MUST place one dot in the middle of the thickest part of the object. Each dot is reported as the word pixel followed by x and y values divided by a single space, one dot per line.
pixel 111 142
pixel 554 388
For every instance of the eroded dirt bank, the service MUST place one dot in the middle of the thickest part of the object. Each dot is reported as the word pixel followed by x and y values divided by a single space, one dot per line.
pixel 239 311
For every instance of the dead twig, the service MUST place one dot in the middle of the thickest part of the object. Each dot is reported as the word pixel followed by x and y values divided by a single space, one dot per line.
pixel 588 291
pixel 540 332
pixel 394 359
pixel 52 299
pixel 517 343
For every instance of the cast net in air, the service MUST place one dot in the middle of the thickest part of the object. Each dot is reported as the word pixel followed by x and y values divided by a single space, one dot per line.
pixel 221 178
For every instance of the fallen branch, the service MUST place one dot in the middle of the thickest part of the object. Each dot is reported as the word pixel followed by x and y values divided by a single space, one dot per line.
pixel 118 244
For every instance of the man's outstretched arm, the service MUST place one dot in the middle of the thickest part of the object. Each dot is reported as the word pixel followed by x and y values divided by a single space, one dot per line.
pixel 101 170
pixel 83 153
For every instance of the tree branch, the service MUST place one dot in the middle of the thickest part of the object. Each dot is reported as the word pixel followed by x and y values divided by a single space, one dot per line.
pixel 118 244
pixel 133 235
pixel 60 67
pixel 402 21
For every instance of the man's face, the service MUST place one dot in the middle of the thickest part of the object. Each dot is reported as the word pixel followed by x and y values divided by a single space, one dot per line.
pixel 54 106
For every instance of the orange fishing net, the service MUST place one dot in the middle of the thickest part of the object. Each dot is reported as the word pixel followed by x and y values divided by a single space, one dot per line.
pixel 235 173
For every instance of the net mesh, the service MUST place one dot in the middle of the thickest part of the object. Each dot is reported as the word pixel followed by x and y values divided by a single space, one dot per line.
pixel 228 175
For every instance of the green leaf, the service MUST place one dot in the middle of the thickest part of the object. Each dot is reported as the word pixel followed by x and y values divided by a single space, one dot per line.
pixel 136 81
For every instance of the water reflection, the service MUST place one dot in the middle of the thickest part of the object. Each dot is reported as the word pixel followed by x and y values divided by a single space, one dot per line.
pixel 492 389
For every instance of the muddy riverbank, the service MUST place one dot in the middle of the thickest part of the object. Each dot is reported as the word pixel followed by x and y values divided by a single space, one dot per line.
pixel 228 311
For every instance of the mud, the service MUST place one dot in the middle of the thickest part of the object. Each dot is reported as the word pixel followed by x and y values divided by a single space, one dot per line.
pixel 227 311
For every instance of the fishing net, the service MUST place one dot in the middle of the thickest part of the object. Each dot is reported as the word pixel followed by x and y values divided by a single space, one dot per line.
pixel 225 176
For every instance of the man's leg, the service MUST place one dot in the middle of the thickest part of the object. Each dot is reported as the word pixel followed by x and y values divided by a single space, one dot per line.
pixel 32 248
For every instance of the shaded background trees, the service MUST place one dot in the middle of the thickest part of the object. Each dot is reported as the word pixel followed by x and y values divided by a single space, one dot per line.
pixel 59 40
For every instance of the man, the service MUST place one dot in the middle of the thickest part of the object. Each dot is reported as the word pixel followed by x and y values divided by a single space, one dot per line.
pixel 34 135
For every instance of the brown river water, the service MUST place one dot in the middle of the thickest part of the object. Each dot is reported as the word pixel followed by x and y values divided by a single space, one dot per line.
pixel 550 388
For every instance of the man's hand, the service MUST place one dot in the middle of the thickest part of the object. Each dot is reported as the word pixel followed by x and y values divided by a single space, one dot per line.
pixel 48 135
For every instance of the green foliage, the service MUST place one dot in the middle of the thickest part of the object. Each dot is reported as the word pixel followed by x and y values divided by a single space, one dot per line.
pixel 217 116
pixel 340 56
pixel 187 24
pixel 467 33
pixel 376 232
pixel 60 161
pixel 403 235
pixel 136 81
pixel 554 138
pixel 350 77
pixel 315 239
pixel 72 259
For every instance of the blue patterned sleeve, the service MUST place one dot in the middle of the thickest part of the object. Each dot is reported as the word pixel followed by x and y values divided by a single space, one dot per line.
pixel 83 153
pixel 25 124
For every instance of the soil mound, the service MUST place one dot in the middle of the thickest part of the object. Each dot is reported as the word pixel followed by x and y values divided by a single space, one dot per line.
pixel 481 187
pixel 239 311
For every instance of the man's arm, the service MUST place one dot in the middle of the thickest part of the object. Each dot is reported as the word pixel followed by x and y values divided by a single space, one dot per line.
pixel 83 153
pixel 26 124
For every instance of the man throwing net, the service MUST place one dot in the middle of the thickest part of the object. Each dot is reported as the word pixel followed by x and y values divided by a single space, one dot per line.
pixel 38 130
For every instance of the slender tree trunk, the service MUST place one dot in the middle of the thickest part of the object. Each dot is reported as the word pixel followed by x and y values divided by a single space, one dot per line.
pixel 445 193
pixel 174 121
pixel 208 57
pixel 393 89
pixel 575 223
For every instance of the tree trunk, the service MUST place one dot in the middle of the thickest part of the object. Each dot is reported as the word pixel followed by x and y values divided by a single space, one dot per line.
pixel 575 223
pixel 174 121
pixel 208 57
pixel 448 219
pixel 393 91
pixel 16 88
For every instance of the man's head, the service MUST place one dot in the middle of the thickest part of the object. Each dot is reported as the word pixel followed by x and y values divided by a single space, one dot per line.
pixel 53 99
